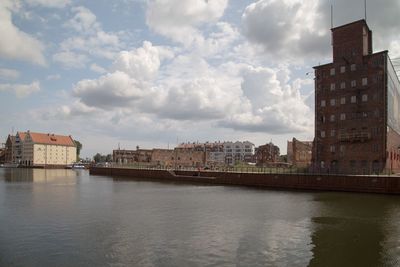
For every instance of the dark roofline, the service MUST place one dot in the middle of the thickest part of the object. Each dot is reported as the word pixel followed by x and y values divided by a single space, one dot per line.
pixel 373 54
pixel 354 22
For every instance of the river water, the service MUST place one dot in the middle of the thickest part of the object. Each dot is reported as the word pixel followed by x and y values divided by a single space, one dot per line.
pixel 69 218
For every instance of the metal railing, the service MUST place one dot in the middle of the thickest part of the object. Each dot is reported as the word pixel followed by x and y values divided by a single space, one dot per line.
pixel 254 169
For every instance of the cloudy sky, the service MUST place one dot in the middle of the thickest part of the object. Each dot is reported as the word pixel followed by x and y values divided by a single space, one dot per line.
pixel 157 72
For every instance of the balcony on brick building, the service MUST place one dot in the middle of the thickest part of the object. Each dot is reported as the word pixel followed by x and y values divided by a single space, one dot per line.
pixel 359 136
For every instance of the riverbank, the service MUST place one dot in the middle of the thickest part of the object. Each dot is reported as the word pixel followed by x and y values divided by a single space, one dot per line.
pixel 320 182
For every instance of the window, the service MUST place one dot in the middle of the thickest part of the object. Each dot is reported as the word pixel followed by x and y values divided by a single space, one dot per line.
pixel 365 114
pixel 332 71
pixel 333 102
pixel 353 67
pixel 322 164
pixel 342 69
pixel 332 118
pixel 343 100
pixel 342 116
pixel 364 98
pixel 353 83
pixel 342 85
pixel 375 148
pixel 332 86
pixel 364 81
pixel 322 134
pixel 333 133
pixel 353 99
pixel 323 103
pixel 341 148
pixel 322 118
pixel 376 113
pixel 332 148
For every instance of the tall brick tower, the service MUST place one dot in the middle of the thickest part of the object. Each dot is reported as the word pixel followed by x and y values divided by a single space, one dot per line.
pixel 357 101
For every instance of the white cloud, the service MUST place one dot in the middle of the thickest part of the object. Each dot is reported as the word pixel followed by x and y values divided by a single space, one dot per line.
pixel 142 63
pixel 287 28
pixel 8 74
pixel 178 20
pixel 276 104
pixel 71 59
pixel 115 89
pixel 96 68
pixel 21 90
pixel 89 40
pixel 14 43
pixel 49 3
pixel 84 20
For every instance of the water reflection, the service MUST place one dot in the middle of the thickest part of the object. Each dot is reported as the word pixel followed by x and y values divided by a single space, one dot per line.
pixel 349 229
pixel 67 218
pixel 14 175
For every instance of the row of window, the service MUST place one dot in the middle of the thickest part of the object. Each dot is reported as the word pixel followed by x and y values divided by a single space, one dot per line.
pixel 342 69
pixel 342 148
pixel 353 100
pixel 374 130
pixel 353 83
pixel 351 116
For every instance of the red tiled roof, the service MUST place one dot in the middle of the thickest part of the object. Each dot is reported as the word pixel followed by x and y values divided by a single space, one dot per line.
pixel 21 135
pixel 52 139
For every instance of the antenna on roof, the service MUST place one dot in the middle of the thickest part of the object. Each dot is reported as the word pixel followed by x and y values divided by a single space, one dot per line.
pixel 365 10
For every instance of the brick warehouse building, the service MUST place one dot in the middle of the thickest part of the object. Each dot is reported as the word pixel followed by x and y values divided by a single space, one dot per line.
pixel 357 101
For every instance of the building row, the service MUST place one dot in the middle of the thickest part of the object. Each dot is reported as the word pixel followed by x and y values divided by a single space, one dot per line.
pixel 40 150
pixel 215 154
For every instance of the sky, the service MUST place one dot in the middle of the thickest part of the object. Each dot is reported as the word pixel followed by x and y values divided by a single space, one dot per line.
pixel 156 73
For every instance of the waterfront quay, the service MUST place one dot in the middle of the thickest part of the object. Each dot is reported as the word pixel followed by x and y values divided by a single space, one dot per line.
pixel 290 181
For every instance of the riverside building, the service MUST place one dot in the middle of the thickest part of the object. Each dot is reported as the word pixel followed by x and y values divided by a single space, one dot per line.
pixel 357 101
pixel 41 150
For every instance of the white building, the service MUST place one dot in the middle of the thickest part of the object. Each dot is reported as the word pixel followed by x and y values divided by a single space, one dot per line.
pixel 40 149
pixel 238 152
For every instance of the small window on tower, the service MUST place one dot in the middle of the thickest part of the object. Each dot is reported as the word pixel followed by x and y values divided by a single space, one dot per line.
pixel 353 67
pixel 342 69
pixel 332 71
pixel 364 98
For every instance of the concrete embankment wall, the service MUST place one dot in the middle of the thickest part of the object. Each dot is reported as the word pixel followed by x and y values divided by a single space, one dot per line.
pixel 351 183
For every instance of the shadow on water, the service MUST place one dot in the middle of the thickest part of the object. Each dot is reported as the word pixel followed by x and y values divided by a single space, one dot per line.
pixel 350 229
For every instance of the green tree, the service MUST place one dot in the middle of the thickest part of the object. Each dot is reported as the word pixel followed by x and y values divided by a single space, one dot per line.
pixel 78 149
pixel 109 158
pixel 97 158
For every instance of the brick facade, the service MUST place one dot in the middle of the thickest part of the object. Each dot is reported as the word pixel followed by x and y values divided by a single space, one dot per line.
pixel 299 153
pixel 352 133
pixel 267 154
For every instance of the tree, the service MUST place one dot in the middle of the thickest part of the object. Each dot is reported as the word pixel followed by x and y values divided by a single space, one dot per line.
pixel 78 149
pixel 97 158
pixel 109 158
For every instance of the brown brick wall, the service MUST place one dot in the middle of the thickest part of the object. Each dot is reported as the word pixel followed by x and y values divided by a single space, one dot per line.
pixel 351 137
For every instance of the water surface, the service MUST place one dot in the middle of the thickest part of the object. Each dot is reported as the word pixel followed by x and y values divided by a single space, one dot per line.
pixel 68 218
